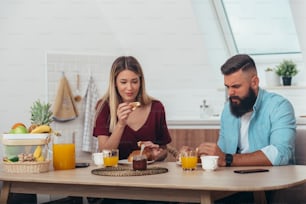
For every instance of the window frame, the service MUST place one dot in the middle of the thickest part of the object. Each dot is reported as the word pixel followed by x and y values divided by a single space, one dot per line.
pixel 231 44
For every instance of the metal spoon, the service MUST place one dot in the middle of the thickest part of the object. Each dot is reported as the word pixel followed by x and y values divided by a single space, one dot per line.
pixel 142 148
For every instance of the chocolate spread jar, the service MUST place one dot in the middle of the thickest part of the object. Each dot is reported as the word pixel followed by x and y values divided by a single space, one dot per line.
pixel 139 162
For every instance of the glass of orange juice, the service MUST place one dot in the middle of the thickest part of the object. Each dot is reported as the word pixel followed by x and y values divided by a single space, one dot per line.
pixel 110 157
pixel 64 152
pixel 189 160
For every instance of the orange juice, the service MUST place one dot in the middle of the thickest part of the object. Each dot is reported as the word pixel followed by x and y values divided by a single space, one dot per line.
pixel 110 157
pixel 63 156
pixel 111 161
pixel 189 162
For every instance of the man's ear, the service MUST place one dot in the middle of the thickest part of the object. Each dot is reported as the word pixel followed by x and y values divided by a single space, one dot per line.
pixel 255 81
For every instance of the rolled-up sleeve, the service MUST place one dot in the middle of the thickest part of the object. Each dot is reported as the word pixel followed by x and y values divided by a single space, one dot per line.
pixel 283 131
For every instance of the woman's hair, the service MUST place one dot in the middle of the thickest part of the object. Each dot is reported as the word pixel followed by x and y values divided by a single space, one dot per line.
pixel 112 96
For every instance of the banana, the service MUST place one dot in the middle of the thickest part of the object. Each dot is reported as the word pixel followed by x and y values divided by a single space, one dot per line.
pixel 41 158
pixel 42 129
pixel 37 152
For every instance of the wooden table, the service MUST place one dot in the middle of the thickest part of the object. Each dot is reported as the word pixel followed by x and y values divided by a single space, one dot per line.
pixel 175 185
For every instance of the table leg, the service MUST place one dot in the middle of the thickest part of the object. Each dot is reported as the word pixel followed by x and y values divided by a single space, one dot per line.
pixel 206 198
pixel 5 192
pixel 260 197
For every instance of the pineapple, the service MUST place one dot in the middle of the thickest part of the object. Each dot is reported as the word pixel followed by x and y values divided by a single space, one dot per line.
pixel 40 115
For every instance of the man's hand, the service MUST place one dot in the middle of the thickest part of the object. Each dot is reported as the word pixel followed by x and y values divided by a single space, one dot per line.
pixel 257 158
pixel 209 148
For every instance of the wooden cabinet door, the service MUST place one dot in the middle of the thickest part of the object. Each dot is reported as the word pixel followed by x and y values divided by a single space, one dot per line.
pixel 191 137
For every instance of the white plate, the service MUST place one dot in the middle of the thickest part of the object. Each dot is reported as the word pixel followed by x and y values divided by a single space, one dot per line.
pixel 125 161
pixel 179 163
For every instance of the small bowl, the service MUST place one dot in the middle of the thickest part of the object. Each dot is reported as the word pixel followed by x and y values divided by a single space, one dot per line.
pixel 98 158
pixel 209 163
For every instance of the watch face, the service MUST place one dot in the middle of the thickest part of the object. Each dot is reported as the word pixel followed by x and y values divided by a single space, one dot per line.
pixel 228 159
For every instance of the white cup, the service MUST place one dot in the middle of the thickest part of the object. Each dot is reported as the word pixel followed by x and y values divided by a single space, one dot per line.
pixel 98 158
pixel 209 163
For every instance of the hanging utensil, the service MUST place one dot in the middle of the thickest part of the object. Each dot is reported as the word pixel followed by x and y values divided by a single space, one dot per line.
pixel 78 96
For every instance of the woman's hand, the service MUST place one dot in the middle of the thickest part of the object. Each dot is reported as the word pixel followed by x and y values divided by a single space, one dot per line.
pixel 148 144
pixel 123 112
pixel 158 153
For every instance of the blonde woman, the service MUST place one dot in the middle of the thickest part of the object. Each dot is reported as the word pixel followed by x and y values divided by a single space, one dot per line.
pixel 120 124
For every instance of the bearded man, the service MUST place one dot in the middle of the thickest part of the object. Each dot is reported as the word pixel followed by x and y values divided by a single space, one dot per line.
pixel 258 128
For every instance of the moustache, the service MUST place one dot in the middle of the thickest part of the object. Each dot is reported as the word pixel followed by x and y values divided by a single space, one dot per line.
pixel 234 97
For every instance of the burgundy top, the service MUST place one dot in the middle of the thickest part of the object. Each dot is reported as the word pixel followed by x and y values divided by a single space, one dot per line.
pixel 154 129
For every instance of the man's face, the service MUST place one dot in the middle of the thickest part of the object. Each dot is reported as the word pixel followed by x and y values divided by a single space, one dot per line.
pixel 242 92
pixel 245 104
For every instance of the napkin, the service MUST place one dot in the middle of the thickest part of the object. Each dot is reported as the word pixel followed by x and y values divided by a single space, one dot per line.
pixel 64 107
pixel 90 143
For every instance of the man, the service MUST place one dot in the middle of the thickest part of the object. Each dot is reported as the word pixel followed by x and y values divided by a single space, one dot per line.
pixel 257 127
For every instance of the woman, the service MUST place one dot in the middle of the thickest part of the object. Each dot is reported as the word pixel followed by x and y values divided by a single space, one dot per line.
pixel 119 125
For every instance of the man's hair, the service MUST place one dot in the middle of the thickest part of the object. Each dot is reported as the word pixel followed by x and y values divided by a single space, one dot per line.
pixel 238 62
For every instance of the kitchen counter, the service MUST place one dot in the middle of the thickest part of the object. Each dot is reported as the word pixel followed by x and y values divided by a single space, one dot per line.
pixel 211 123
pixel 194 123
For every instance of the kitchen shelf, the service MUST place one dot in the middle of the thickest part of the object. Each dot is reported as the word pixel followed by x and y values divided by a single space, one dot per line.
pixel 285 87
pixel 292 87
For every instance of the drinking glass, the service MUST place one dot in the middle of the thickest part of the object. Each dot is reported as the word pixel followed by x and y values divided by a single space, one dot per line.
pixel 110 157
pixel 64 152
pixel 189 160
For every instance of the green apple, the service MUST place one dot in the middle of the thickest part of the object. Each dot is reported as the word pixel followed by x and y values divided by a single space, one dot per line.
pixel 20 130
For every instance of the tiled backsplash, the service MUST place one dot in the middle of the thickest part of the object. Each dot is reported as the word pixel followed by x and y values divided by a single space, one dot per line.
pixel 72 65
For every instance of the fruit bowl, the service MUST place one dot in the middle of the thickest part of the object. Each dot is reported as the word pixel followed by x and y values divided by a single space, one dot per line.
pixel 26 167
pixel 25 153
pixel 25 136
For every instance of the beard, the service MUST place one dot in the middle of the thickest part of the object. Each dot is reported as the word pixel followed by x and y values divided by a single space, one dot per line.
pixel 245 105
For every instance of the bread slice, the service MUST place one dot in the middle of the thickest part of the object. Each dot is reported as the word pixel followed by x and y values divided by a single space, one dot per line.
pixel 135 105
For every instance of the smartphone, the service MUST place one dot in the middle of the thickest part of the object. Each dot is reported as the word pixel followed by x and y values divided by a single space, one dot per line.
pixel 81 165
pixel 248 171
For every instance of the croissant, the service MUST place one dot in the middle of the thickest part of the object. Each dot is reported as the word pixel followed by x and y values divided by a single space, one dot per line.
pixel 146 152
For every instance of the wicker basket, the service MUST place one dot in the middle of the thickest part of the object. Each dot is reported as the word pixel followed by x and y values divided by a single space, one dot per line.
pixel 15 144
pixel 26 167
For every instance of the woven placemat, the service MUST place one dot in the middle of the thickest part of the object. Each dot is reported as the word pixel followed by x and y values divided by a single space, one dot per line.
pixel 126 171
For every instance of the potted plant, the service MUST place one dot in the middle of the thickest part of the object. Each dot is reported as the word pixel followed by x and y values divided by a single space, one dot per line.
pixel 271 77
pixel 286 69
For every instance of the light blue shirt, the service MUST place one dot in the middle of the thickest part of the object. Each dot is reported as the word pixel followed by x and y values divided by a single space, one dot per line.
pixel 272 129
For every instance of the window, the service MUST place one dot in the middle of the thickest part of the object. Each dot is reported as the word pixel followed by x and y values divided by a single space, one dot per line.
pixel 258 27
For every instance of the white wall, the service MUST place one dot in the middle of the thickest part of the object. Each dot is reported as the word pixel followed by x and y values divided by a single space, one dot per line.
pixel 163 35
pixel 180 55
pixel 28 30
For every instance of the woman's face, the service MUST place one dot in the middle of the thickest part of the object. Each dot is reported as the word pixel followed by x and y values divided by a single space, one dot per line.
pixel 128 85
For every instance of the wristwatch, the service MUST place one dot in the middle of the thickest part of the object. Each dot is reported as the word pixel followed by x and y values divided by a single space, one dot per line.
pixel 228 159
